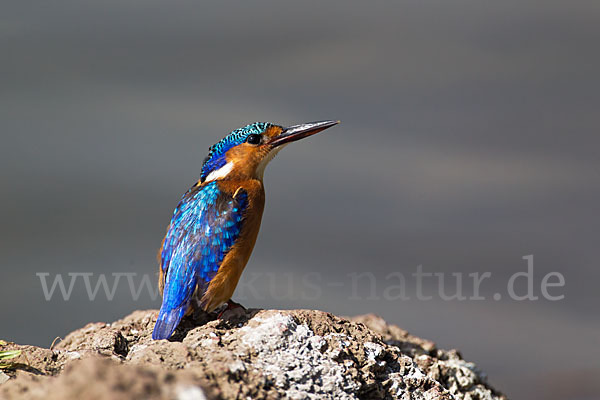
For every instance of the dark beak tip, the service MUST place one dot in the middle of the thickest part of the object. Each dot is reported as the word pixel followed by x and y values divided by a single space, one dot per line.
pixel 297 132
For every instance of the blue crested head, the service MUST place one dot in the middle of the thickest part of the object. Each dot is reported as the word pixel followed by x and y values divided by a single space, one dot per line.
pixel 244 153
pixel 216 152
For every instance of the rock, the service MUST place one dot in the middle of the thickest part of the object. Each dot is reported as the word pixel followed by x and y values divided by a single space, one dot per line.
pixel 3 377
pixel 253 354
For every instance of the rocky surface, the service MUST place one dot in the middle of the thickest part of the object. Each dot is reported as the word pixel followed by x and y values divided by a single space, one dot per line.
pixel 252 354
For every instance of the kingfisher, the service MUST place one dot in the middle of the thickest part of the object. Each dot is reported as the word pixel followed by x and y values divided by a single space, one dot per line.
pixel 214 227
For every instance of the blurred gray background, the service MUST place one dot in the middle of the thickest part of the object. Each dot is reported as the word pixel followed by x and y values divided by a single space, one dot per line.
pixel 469 139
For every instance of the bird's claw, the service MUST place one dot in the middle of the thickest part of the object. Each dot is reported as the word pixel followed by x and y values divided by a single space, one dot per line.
pixel 230 305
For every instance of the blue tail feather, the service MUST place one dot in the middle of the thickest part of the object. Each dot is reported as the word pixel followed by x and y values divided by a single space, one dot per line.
pixel 167 322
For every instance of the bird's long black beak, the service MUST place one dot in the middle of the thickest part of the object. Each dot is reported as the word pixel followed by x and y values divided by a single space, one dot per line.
pixel 297 132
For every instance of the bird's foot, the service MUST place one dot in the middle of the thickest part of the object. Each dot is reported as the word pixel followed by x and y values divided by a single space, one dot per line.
pixel 231 305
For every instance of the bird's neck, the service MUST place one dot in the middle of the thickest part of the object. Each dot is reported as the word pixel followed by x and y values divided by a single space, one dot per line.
pixel 237 171
pixel 243 166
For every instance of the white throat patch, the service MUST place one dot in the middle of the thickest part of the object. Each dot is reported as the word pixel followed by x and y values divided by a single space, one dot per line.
pixel 260 170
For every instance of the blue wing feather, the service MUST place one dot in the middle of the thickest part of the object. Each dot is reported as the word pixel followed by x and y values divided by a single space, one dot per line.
pixel 204 227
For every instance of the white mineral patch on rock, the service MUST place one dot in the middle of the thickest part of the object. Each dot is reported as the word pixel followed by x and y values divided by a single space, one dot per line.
pixel 190 393
pixel 73 355
pixel 373 350
pixel 136 348
pixel 291 354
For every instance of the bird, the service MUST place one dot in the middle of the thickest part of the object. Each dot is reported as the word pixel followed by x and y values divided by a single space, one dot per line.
pixel 214 227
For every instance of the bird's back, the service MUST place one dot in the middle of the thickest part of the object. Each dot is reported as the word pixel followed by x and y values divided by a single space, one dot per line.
pixel 214 225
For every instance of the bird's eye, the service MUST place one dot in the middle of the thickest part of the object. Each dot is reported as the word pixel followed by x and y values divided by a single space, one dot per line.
pixel 254 139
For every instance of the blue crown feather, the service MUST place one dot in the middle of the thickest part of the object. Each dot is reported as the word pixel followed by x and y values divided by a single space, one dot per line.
pixel 216 152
